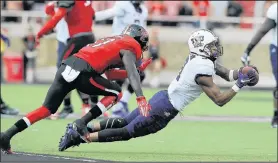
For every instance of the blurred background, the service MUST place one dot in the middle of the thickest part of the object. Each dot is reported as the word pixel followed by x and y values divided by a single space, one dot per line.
pixel 170 22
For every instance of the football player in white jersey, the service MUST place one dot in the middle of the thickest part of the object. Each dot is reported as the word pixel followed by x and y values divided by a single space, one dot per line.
pixel 270 23
pixel 123 14
pixel 195 77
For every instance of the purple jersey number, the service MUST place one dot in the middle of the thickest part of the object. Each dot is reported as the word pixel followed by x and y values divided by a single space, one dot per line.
pixel 179 75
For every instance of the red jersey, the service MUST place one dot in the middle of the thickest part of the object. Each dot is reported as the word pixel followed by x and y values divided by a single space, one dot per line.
pixel 106 52
pixel 79 17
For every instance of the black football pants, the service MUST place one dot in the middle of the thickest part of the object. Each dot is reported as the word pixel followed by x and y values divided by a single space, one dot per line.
pixel 87 82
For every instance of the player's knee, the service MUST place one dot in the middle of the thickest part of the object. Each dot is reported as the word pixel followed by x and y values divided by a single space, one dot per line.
pixel 119 123
pixel 113 123
pixel 275 93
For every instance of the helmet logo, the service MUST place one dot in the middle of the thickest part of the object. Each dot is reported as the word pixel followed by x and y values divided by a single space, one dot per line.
pixel 197 41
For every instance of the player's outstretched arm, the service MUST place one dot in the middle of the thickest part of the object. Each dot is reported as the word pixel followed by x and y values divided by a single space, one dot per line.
pixel 129 60
pixel 213 91
pixel 221 98
pixel 224 73
pixel 227 74
pixel 116 10
pixel 266 26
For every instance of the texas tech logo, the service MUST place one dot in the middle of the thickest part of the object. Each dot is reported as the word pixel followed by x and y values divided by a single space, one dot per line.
pixel 197 41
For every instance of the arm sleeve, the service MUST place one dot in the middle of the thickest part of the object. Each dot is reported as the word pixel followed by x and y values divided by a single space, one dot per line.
pixel 116 10
pixel 105 14
pixel 266 26
pixel 59 14
pixel 114 74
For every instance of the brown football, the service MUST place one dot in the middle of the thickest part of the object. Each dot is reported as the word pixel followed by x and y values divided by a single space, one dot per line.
pixel 254 81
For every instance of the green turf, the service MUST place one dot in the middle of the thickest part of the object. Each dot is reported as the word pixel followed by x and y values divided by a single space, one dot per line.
pixel 246 103
pixel 180 141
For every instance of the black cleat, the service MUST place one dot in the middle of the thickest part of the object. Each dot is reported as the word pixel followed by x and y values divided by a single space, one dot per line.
pixel 65 112
pixel 5 109
pixel 81 128
pixel 274 122
pixel 5 144
pixel 70 139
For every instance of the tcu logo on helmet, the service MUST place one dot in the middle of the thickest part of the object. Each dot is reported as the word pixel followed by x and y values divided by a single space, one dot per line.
pixel 197 41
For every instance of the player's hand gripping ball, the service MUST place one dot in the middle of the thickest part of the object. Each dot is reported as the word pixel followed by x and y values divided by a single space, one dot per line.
pixel 253 74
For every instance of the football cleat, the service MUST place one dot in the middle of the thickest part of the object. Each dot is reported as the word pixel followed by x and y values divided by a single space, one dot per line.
pixel 5 144
pixel 5 109
pixel 121 111
pixel 70 139
pixel 81 128
pixel 274 122
pixel 65 112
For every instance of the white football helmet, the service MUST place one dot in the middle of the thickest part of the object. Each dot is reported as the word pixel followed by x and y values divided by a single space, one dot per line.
pixel 205 43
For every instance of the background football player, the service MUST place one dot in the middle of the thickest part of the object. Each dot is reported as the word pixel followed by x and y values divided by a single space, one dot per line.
pixel 270 23
pixel 4 108
pixel 78 16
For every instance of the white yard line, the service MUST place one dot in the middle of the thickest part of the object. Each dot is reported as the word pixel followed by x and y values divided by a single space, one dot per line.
pixel 56 157
pixel 194 118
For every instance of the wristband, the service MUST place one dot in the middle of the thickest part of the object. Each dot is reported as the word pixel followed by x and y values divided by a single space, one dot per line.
pixel 235 88
pixel 231 75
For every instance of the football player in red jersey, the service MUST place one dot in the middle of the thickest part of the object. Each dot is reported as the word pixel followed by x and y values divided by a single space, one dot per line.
pixel 83 71
pixel 78 16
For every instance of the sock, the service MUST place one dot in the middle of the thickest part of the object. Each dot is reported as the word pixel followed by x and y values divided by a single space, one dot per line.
pixel 110 135
pixel 27 121
pixel 1 101
pixel 94 100
pixel 84 97
pixel 2 104
pixel 67 101
pixel 85 101
pixel 102 106
pixel 92 114
pixel 126 96
pixel 275 112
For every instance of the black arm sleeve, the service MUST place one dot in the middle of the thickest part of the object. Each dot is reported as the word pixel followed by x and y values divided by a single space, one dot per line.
pixel 129 61
pixel 66 4
pixel 266 26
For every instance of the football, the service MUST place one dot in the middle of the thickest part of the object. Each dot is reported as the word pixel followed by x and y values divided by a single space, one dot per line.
pixel 254 81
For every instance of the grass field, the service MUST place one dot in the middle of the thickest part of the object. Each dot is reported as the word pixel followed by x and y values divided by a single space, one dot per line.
pixel 180 141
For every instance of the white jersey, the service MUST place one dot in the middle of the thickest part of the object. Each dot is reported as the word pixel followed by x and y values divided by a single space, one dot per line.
pixel 183 90
pixel 62 30
pixel 124 14
pixel 272 14
pixel 127 15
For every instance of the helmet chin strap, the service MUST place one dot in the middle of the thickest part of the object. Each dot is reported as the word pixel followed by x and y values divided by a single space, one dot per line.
pixel 202 51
